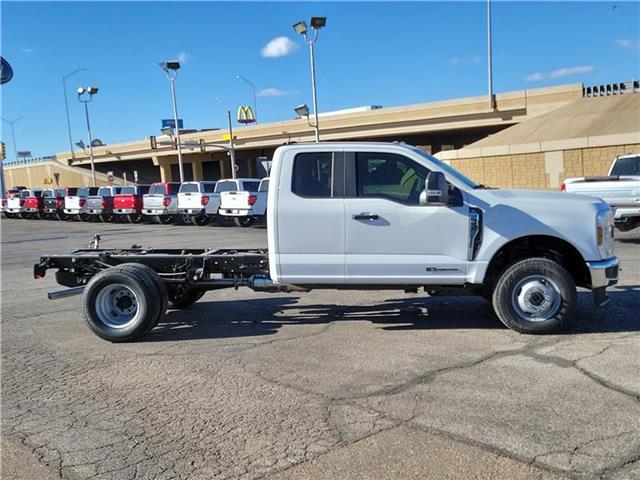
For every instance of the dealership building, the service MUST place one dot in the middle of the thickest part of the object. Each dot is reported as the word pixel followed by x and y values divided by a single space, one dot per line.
pixel 530 139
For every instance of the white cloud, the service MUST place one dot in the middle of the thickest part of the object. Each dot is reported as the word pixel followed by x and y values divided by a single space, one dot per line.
pixel 184 57
pixel 628 44
pixel 27 50
pixel 560 73
pixel 279 47
pixel 275 92
pixel 472 60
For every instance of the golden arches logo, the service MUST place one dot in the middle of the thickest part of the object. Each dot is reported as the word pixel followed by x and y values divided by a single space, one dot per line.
pixel 245 114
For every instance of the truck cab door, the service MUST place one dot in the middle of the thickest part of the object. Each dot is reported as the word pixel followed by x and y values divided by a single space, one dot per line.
pixel 391 238
pixel 309 237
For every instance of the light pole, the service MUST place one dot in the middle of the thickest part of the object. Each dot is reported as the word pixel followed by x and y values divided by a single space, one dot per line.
pixel 13 135
pixel 171 69
pixel 66 106
pixel 492 103
pixel 85 95
pixel 301 27
pixel 253 87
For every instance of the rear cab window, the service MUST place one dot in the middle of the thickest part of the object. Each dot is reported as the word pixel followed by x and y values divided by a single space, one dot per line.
pixel 264 186
pixel 189 188
pixel 128 191
pixel 156 188
pixel 626 167
pixel 104 192
pixel 313 174
pixel 250 186
pixel 226 186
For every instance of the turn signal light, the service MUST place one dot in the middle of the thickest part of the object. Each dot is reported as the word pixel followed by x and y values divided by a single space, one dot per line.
pixel 600 234
pixel 204 200
pixel 252 199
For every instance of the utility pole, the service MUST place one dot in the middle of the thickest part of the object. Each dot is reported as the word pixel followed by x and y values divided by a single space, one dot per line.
pixel 232 152
pixel 492 100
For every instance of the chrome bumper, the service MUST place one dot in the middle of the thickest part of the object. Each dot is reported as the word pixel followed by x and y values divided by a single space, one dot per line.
pixel 604 273
pixel 125 211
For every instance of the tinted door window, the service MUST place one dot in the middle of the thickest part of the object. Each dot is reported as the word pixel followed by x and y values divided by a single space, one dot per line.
pixel 391 176
pixel 312 174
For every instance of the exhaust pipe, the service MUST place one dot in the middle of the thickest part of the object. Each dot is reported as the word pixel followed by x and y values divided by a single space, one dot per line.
pixel 67 292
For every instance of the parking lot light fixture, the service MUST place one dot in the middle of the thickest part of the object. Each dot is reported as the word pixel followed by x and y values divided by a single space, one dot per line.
pixel 85 95
pixel 301 27
pixel 171 69
pixel 302 110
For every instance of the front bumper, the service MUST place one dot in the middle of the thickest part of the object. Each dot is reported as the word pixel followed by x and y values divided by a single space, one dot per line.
pixel 604 273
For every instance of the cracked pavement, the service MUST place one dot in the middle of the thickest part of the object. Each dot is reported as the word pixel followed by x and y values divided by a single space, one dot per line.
pixel 326 384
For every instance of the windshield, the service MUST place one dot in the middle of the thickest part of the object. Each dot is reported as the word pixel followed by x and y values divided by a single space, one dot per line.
pixel 627 166
pixel 448 170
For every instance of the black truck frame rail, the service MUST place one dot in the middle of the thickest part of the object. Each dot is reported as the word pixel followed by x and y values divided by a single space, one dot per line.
pixel 185 268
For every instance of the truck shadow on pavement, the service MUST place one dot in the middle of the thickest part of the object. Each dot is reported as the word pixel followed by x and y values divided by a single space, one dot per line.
pixel 266 316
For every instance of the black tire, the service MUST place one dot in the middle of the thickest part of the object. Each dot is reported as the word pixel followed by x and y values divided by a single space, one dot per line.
pixel 224 221
pixel 61 216
pixel 10 215
pixel 181 298
pixel 243 222
pixel 535 295
pixel 84 217
pixel 200 220
pixel 139 291
pixel 134 218
pixel 105 218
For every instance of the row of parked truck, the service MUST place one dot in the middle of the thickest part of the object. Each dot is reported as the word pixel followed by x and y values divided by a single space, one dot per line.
pixel 242 201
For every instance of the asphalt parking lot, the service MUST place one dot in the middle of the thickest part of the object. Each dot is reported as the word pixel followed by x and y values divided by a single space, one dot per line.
pixel 324 385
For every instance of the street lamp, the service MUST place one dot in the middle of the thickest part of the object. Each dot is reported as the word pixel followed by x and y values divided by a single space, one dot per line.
pixel 253 87
pixel 13 134
pixel 66 105
pixel 301 27
pixel 85 95
pixel 171 69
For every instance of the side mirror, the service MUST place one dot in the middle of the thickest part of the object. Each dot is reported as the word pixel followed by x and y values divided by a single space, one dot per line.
pixel 436 190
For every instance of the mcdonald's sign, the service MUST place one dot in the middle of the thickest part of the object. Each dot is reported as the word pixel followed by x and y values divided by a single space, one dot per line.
pixel 245 114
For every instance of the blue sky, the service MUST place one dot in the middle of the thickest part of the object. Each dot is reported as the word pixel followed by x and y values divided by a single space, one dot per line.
pixel 369 54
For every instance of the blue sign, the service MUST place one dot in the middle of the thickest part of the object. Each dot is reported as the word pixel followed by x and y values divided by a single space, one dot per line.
pixel 6 72
pixel 172 124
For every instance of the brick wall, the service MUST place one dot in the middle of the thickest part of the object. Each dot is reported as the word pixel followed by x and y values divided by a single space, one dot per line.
pixel 527 170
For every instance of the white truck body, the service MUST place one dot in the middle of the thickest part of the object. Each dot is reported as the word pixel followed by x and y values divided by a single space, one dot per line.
pixel 198 198
pixel 16 200
pixel 620 189
pixel 77 204
pixel 246 203
pixel 345 238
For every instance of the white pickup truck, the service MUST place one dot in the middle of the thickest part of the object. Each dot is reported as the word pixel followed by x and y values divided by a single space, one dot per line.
pixel 198 202
pixel 229 206
pixel 369 216
pixel 620 189
pixel 246 207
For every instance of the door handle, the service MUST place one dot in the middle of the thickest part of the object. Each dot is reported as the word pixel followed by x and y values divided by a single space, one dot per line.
pixel 365 216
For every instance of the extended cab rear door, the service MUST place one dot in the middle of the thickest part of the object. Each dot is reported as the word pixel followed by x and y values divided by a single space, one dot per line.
pixel 309 225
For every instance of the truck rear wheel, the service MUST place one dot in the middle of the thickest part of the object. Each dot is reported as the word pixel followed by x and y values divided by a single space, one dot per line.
pixel 243 221
pixel 535 295
pixel 123 303
pixel 134 218
pixel 200 220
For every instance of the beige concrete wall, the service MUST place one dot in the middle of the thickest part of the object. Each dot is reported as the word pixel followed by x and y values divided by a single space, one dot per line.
pixel 40 175
pixel 541 169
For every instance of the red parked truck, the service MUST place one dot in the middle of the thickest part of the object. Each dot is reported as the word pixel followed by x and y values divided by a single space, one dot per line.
pixel 127 205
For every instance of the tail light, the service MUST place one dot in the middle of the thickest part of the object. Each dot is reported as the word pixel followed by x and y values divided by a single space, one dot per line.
pixel 59 202
pixel 252 199
pixel 204 200
pixel 82 202
pixel 21 202
pixel 4 202
pixel 104 203
pixel 166 201
pixel 563 187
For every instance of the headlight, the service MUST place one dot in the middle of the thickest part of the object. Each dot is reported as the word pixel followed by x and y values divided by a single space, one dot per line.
pixel 604 232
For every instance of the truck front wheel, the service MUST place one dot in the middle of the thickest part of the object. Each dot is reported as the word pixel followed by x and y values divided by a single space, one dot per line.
pixel 535 295
pixel 123 303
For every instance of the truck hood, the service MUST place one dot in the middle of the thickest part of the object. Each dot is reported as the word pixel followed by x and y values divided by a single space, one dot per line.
pixel 512 214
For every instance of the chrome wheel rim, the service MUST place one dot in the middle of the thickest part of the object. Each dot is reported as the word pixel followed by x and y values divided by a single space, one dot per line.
pixel 117 306
pixel 536 298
